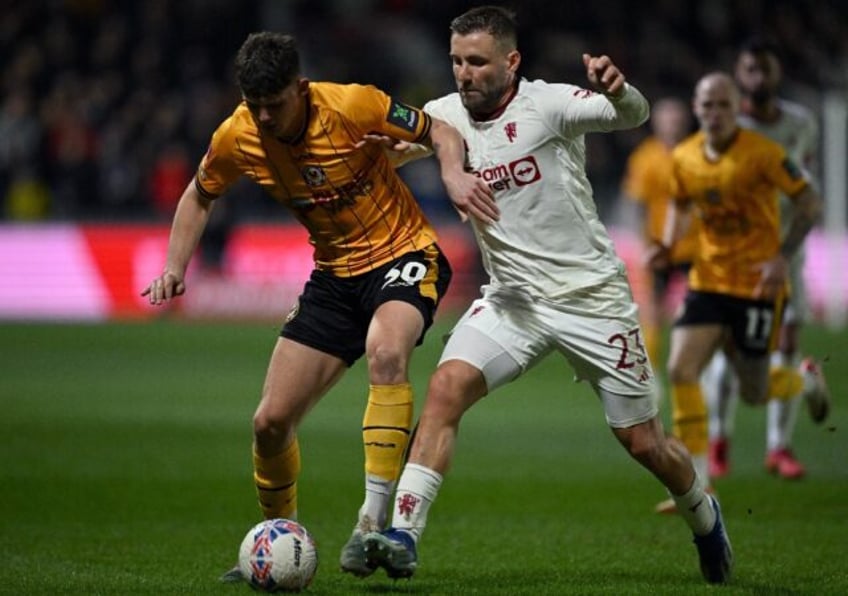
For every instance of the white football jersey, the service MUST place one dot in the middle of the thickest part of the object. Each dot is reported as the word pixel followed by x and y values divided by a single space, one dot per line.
pixel 549 240
pixel 797 131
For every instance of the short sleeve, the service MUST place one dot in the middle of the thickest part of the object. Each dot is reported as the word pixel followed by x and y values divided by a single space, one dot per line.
pixel 376 111
pixel 218 170
pixel 783 172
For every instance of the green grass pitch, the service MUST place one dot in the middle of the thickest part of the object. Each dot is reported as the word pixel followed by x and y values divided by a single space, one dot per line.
pixel 125 469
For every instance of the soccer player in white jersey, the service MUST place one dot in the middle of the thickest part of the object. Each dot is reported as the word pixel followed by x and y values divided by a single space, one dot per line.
pixel 758 74
pixel 555 282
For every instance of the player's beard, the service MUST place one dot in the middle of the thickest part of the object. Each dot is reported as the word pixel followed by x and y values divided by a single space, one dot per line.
pixel 760 96
pixel 481 103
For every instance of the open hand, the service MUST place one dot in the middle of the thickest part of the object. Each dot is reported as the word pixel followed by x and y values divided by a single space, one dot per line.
pixel 773 276
pixel 165 287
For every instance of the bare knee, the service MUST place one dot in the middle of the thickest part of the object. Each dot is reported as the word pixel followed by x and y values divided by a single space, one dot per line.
pixel 453 389
pixel 682 373
pixel 755 394
pixel 644 446
pixel 754 386
pixel 684 366
pixel 443 399
pixel 387 364
pixel 789 339
pixel 665 457
pixel 271 431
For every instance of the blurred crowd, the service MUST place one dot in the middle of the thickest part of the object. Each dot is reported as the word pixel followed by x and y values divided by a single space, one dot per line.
pixel 107 106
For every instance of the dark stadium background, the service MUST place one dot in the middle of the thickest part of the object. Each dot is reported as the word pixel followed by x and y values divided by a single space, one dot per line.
pixel 110 104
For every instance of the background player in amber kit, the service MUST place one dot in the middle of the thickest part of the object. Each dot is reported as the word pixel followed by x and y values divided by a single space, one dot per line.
pixel 555 281
pixel 378 273
pixel 758 74
pixel 647 182
pixel 728 178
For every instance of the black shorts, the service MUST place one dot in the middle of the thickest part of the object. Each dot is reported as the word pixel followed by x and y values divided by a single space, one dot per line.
pixel 663 278
pixel 754 324
pixel 333 313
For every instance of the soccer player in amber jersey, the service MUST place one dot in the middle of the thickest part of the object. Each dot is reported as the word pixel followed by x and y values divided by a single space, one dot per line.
pixel 647 182
pixel 379 273
pixel 758 74
pixel 555 285
pixel 729 178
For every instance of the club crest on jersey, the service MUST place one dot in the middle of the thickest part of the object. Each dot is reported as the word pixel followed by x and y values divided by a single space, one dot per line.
pixel 511 131
pixel 402 116
pixel 713 196
pixel 313 176
pixel 584 93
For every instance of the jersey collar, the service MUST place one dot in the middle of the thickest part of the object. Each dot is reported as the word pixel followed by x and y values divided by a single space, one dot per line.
pixel 497 113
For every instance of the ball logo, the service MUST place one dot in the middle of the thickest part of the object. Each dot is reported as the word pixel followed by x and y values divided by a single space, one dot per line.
pixel 525 170
pixel 262 560
pixel 298 552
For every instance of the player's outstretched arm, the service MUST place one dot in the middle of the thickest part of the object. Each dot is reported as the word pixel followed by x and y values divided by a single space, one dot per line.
pixel 677 221
pixel 399 152
pixel 190 220
pixel 806 209
pixel 469 194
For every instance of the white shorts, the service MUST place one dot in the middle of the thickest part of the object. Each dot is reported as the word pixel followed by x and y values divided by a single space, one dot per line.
pixel 505 333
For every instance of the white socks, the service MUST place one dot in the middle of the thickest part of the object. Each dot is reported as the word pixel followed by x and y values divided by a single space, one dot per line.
pixel 699 462
pixel 696 508
pixel 782 415
pixel 378 493
pixel 721 390
pixel 416 491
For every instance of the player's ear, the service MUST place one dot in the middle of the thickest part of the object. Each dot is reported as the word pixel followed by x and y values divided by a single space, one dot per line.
pixel 302 86
pixel 513 60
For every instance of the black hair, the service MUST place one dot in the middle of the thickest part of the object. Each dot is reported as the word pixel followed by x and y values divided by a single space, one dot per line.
pixel 760 44
pixel 499 22
pixel 266 63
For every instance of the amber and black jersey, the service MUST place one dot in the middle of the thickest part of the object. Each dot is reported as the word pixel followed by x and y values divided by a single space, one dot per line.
pixel 647 181
pixel 358 211
pixel 736 200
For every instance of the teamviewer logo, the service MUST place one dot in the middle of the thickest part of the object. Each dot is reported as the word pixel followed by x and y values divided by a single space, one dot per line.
pixel 505 177
pixel 525 170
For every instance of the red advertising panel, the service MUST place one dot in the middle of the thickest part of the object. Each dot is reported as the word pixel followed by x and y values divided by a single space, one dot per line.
pixel 95 272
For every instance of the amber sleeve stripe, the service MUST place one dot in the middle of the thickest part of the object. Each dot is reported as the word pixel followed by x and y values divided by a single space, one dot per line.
pixel 428 123
pixel 203 192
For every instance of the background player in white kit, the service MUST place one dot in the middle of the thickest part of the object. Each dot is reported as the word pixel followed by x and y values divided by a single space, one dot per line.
pixel 555 280
pixel 758 74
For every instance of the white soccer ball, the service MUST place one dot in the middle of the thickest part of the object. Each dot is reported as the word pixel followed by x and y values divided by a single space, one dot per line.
pixel 278 555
